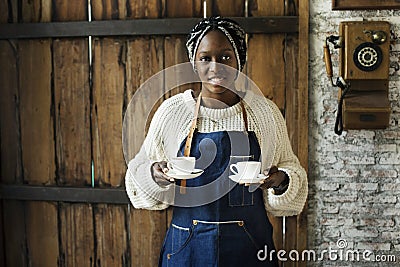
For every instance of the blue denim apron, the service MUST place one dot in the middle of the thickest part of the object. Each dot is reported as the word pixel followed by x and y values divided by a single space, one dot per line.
pixel 229 231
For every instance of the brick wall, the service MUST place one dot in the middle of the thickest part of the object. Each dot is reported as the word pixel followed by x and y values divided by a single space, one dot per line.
pixel 354 178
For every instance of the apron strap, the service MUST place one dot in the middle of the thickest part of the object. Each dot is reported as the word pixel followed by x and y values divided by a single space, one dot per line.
pixel 188 144
pixel 244 113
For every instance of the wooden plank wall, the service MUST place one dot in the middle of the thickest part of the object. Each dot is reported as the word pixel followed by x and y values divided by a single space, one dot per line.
pixel 31 102
pixel 61 124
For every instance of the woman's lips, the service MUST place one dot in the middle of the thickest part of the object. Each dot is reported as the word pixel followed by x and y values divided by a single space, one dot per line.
pixel 216 80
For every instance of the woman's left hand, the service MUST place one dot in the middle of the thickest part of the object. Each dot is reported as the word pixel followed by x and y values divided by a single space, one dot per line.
pixel 275 178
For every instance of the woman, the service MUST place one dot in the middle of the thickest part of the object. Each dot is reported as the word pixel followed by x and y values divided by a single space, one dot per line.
pixel 229 125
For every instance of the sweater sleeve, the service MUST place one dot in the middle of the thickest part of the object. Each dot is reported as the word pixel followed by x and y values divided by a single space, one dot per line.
pixel 292 201
pixel 142 190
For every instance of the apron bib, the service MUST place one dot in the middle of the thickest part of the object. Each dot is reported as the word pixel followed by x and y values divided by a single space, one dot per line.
pixel 231 230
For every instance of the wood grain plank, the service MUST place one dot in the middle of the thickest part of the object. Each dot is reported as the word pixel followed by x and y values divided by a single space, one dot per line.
pixel 35 106
pixel 144 59
pixel 13 236
pixel 176 47
pixel 296 113
pixel 294 117
pixel 269 75
pixel 266 8
pixel 145 9
pixel 76 10
pixel 108 101
pixel 37 136
pixel 11 168
pixel 112 247
pixel 291 7
pixel 35 10
pixel 126 9
pixel 14 239
pixel 291 113
pixel 109 9
pixel 15 246
pixel 111 235
pixel 290 238
pixel 303 113
pixel 291 89
pixel 73 137
pixel 72 117
pixel 147 231
pixel 37 139
pixel 228 8
pixel 72 111
pixel 77 242
pixel 4 10
pixel 42 233
pixel 265 65
pixel 183 9
pixel 292 121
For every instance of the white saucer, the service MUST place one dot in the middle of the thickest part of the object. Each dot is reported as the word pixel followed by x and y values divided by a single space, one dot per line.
pixel 241 180
pixel 181 175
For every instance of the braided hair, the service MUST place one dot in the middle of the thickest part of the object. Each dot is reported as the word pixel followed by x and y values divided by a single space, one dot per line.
pixel 230 28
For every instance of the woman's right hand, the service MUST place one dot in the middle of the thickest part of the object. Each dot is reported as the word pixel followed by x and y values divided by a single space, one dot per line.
pixel 158 172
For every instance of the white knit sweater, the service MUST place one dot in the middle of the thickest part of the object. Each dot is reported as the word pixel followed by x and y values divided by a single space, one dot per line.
pixel 170 125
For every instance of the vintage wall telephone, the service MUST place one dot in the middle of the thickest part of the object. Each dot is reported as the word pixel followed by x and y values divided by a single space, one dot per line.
pixel 363 74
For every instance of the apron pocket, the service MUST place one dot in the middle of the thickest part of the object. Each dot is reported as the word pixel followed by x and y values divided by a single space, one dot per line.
pixel 197 246
pixel 240 196
pixel 179 239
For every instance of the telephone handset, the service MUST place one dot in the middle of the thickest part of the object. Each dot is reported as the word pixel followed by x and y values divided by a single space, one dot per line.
pixel 340 82
pixel 363 74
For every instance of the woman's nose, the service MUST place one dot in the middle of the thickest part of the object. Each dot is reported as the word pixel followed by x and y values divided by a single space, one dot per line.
pixel 215 66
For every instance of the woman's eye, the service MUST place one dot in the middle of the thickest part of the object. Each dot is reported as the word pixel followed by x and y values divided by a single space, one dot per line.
pixel 203 59
pixel 226 57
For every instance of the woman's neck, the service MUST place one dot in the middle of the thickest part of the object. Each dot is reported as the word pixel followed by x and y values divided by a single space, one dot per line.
pixel 219 100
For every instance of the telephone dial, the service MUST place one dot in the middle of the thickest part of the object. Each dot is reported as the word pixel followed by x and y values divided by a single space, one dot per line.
pixel 367 56
pixel 363 74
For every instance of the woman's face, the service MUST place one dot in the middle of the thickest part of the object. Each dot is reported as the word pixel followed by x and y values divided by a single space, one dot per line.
pixel 214 53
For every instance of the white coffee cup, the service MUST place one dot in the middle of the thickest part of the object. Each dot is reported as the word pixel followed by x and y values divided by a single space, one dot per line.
pixel 246 169
pixel 182 164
